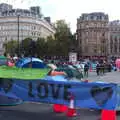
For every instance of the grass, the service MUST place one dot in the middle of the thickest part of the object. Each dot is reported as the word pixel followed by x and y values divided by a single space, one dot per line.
pixel 22 73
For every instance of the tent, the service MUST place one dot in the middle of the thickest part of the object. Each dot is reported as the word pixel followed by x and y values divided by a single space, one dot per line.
pixel 3 57
pixel 3 60
pixel 30 62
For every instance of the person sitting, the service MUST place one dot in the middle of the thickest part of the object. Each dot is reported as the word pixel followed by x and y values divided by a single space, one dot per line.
pixel 52 72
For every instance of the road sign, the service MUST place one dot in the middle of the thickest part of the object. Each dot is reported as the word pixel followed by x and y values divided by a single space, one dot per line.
pixel 72 57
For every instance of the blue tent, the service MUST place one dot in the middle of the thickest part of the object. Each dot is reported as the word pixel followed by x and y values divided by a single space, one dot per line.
pixel 25 63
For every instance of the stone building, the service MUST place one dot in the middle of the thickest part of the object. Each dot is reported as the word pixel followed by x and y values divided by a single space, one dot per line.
pixel 26 23
pixel 92 34
pixel 114 38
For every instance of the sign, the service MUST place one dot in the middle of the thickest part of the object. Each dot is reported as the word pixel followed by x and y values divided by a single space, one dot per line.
pixel 72 57
pixel 87 95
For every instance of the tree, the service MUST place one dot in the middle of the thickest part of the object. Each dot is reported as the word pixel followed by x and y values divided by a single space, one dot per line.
pixel 41 47
pixel 63 36
pixel 60 44
pixel 26 47
pixel 10 47
pixel 51 43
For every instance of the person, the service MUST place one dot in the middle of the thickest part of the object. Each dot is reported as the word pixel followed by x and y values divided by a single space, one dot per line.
pixel 98 69
pixel 109 67
pixel 102 68
pixel 86 68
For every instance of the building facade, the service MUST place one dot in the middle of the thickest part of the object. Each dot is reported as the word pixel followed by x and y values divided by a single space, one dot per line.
pixel 92 34
pixel 114 38
pixel 26 23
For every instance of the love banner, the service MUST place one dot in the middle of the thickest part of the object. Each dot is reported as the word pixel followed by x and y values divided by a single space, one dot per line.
pixel 118 97
pixel 86 95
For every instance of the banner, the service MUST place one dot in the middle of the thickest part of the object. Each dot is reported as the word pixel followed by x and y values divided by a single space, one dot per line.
pixel 87 95
pixel 118 97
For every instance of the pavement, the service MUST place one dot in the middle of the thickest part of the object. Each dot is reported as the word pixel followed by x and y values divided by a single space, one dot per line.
pixel 33 111
pixel 110 77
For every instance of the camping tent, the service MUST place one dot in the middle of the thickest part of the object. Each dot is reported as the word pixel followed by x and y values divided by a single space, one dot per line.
pixel 3 57
pixel 30 62
pixel 3 60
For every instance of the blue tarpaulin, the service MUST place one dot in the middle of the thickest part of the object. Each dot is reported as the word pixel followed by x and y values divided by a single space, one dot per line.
pixel 86 95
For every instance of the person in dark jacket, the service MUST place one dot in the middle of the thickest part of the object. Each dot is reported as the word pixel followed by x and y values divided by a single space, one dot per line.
pixel 86 68
pixel 98 69
pixel 109 67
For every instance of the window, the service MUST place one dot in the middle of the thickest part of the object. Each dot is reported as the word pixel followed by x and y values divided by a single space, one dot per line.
pixel 3 27
pixel 87 25
pixel 103 34
pixel 92 17
pixel 95 25
pixel 119 44
pixel 98 18
pixel 95 49
pixel 115 39
pixel 111 45
pixel 87 18
pixel 86 33
pixel 82 25
pixel 103 25
pixel 115 48
pixel 103 41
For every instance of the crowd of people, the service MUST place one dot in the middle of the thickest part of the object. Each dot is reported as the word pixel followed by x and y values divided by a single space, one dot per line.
pixel 101 67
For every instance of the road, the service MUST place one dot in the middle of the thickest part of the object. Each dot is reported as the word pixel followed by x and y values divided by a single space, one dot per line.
pixel 111 77
pixel 33 111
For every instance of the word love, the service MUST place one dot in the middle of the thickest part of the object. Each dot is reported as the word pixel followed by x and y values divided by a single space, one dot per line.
pixel 45 90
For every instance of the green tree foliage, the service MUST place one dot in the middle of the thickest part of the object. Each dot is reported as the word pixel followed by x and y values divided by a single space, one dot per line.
pixel 10 47
pixel 63 36
pixel 41 47
pixel 60 44
pixel 25 46
pixel 51 45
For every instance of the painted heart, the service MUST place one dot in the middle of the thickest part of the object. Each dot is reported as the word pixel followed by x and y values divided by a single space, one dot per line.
pixel 7 85
pixel 101 95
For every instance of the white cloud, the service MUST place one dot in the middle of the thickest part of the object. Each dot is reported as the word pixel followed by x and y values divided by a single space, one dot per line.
pixel 70 10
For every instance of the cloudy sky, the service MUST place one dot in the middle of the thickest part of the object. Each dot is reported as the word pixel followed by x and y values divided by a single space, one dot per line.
pixel 70 10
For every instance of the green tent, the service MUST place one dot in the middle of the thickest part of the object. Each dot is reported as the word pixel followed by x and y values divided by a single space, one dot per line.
pixel 3 60
pixel 3 57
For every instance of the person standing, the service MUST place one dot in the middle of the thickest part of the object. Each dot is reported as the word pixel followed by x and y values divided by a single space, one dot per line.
pixel 98 69
pixel 86 68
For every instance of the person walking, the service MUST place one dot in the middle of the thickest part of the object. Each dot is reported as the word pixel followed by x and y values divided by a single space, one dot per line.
pixel 86 68
pixel 98 69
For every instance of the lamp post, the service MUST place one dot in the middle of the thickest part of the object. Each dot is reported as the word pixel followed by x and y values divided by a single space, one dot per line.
pixel 18 16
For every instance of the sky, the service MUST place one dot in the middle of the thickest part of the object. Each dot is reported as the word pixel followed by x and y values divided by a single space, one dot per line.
pixel 70 10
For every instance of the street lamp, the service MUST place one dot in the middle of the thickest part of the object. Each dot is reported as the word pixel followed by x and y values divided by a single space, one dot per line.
pixel 18 16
